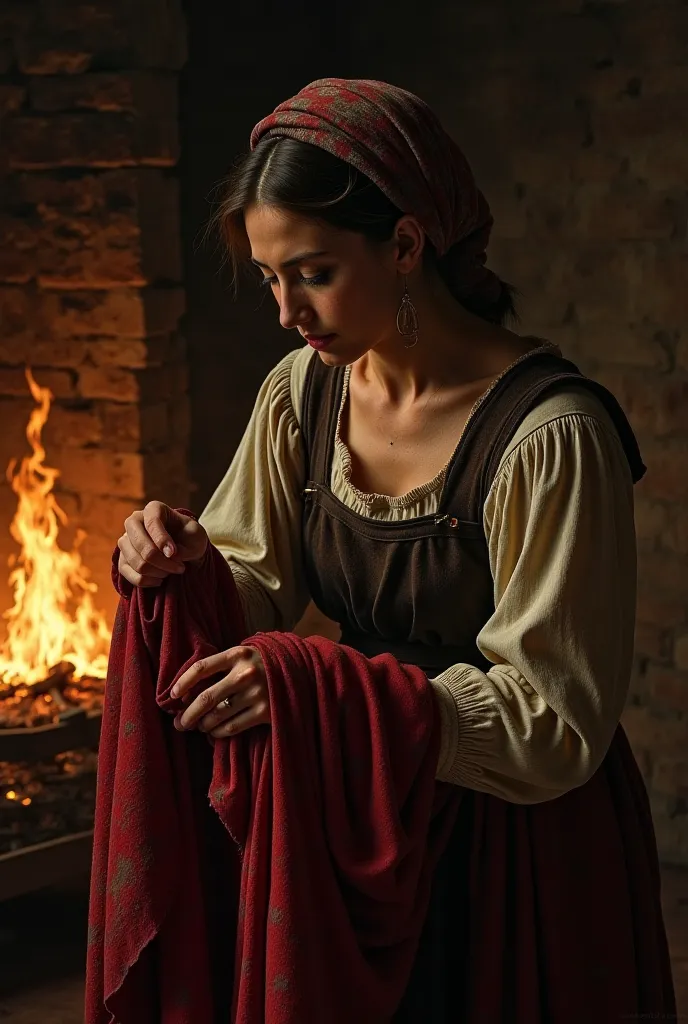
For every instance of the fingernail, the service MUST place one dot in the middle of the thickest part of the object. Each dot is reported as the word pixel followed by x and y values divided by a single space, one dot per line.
pixel 174 692
pixel 168 551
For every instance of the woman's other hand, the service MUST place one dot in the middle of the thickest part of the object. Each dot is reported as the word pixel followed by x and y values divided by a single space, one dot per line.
pixel 156 542
pixel 237 702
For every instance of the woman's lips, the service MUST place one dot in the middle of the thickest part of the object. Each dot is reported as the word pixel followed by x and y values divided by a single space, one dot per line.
pixel 320 341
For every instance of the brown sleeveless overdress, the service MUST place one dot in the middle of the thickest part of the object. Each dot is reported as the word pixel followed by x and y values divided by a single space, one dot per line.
pixel 541 914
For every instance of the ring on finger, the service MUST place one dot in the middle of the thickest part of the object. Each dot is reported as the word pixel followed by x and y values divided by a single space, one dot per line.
pixel 226 703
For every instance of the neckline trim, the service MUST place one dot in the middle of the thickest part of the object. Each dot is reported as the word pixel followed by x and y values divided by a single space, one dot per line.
pixel 422 490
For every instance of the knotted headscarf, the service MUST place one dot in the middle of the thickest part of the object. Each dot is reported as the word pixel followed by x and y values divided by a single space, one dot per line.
pixel 395 139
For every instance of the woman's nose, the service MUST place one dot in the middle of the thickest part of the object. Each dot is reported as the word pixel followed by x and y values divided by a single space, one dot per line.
pixel 292 311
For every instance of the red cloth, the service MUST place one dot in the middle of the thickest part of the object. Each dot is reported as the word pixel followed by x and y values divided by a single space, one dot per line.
pixel 550 913
pixel 394 138
pixel 334 808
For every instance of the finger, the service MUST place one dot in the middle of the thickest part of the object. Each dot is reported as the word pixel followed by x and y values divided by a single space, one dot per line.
pixel 146 551
pixel 241 701
pixel 210 700
pixel 204 668
pixel 204 703
pixel 156 516
pixel 257 714
pixel 135 578
pixel 131 557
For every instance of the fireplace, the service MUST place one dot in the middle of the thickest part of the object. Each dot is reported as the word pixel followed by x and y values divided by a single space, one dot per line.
pixel 93 384
pixel 53 662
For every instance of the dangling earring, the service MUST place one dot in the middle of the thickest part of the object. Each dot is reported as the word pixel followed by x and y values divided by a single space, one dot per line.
pixel 407 319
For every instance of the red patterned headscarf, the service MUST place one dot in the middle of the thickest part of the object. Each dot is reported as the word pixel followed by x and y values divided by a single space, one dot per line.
pixel 394 138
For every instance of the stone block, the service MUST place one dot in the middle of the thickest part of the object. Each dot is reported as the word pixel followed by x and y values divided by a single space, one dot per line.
pixel 134 427
pixel 98 471
pixel 109 382
pixel 13 382
pixel 115 228
pixel 72 427
pixel 134 353
pixel 30 314
pixel 104 516
pixel 87 140
pixel 118 384
pixel 66 353
pixel 121 425
pixel 129 92
pixel 70 36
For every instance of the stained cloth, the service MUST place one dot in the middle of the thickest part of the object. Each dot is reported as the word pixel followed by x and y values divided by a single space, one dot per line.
pixel 318 903
pixel 395 139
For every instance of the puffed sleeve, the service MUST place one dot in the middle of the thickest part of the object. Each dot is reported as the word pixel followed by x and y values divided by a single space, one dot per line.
pixel 254 516
pixel 560 527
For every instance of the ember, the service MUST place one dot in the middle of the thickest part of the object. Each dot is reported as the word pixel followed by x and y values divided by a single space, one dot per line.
pixel 55 656
pixel 46 799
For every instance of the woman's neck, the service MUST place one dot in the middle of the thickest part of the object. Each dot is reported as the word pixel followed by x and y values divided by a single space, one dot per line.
pixel 454 348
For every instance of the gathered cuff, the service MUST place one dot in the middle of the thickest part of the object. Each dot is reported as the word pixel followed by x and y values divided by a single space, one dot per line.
pixel 468 710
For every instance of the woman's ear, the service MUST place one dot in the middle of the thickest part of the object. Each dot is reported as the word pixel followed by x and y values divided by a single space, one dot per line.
pixel 409 240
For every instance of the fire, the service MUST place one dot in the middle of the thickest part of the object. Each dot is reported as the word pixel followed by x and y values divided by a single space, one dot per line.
pixel 53 618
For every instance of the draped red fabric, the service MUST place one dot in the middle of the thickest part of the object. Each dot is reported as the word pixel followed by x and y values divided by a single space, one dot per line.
pixel 334 813
pixel 283 876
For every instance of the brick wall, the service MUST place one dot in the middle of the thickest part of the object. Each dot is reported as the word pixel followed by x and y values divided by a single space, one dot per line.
pixel 574 117
pixel 90 258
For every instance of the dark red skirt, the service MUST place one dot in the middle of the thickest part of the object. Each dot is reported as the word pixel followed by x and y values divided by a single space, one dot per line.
pixel 548 913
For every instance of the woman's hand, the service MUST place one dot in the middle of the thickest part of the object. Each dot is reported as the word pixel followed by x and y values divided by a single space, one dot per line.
pixel 156 542
pixel 244 686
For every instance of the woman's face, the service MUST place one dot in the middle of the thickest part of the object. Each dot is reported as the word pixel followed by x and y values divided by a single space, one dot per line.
pixel 327 282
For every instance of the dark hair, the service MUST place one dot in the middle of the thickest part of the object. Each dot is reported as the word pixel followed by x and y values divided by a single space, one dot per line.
pixel 308 180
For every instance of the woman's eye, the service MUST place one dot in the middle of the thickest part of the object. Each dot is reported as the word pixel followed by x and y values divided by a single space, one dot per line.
pixel 314 281
pixel 322 278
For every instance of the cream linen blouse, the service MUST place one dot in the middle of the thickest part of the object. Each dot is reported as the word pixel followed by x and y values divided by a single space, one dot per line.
pixel 559 524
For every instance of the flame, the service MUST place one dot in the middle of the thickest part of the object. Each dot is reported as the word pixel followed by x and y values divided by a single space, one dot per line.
pixel 53 618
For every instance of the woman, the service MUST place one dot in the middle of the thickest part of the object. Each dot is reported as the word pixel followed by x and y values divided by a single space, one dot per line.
pixel 461 496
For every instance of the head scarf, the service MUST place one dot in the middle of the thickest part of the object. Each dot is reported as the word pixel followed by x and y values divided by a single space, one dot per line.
pixel 394 138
